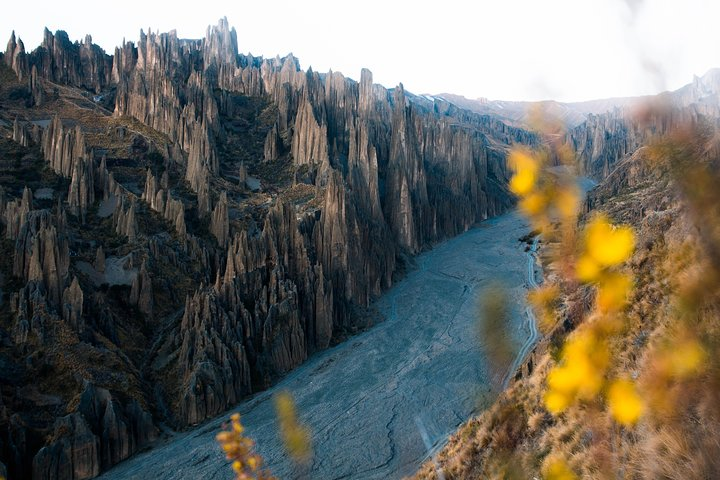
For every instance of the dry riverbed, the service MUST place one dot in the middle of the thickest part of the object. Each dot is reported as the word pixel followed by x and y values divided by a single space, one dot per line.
pixel 370 400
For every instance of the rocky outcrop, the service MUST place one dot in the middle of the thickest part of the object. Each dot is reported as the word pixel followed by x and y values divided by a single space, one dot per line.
pixel 63 147
pixel 219 223
pixel 100 434
pixel 73 456
pixel 212 358
pixel 66 152
pixel 83 65
pixel 82 188
pixel 204 202
pixel 160 200
pixel 25 133
pixel 141 293
pixel 242 175
pixel 99 263
pixel 32 314
pixel 124 218
pixel 603 140
pixel 273 144
pixel 309 144
pixel 180 105
pixel 42 254
pixel 72 306
pixel 15 214
pixel 16 58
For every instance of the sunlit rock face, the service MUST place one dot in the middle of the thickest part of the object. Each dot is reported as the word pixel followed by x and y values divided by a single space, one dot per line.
pixel 215 219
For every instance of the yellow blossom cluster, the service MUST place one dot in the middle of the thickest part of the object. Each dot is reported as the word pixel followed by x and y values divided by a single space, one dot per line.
pixel 296 436
pixel 558 469
pixel 606 246
pixel 625 403
pixel 581 373
pixel 677 360
pixel 543 199
pixel 240 450
pixel 551 203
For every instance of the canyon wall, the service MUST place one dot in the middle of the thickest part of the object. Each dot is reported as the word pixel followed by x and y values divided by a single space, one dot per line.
pixel 200 284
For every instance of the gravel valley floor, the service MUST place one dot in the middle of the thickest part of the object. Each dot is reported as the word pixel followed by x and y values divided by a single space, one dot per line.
pixel 370 400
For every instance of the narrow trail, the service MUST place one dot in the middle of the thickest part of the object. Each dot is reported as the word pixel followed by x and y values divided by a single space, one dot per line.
pixel 531 322
pixel 382 401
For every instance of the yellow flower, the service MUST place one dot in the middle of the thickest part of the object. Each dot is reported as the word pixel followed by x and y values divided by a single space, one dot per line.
pixel 296 436
pixel 526 171
pixel 533 203
pixel 686 358
pixel 626 406
pixel 556 402
pixel 567 201
pixel 587 269
pixel 606 244
pixel 570 377
pixel 557 469
pixel 580 376
pixel 239 449
pixel 613 291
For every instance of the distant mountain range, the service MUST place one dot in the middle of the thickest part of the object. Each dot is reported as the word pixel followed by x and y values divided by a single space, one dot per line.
pixel 703 90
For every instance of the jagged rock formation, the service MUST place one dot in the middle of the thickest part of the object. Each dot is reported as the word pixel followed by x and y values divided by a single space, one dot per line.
pixel 124 219
pixel 213 362
pixel 42 254
pixel 100 260
pixel 73 456
pixel 24 133
pixel 15 213
pixel 103 432
pixel 66 152
pixel 273 145
pixel 62 147
pixel 355 178
pixel 82 188
pixel 242 175
pixel 141 293
pixel 15 57
pixel 603 140
pixel 58 60
pixel 73 305
pixel 160 201
pixel 219 225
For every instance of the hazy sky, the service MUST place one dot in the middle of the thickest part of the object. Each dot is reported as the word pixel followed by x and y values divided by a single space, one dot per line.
pixel 501 49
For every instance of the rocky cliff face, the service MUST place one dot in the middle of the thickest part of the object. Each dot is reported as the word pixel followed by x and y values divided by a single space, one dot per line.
pixel 603 140
pixel 233 216
pixel 100 434
pixel 59 60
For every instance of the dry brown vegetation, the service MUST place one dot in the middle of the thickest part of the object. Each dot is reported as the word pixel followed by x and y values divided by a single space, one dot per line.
pixel 666 344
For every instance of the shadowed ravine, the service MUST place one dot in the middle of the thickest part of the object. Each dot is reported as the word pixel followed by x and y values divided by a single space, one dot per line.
pixel 367 399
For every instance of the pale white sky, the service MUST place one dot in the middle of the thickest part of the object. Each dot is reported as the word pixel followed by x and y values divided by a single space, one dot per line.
pixel 502 49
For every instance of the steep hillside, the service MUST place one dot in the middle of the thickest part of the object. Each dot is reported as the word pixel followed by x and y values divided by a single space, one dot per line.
pixel 182 224
pixel 666 192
